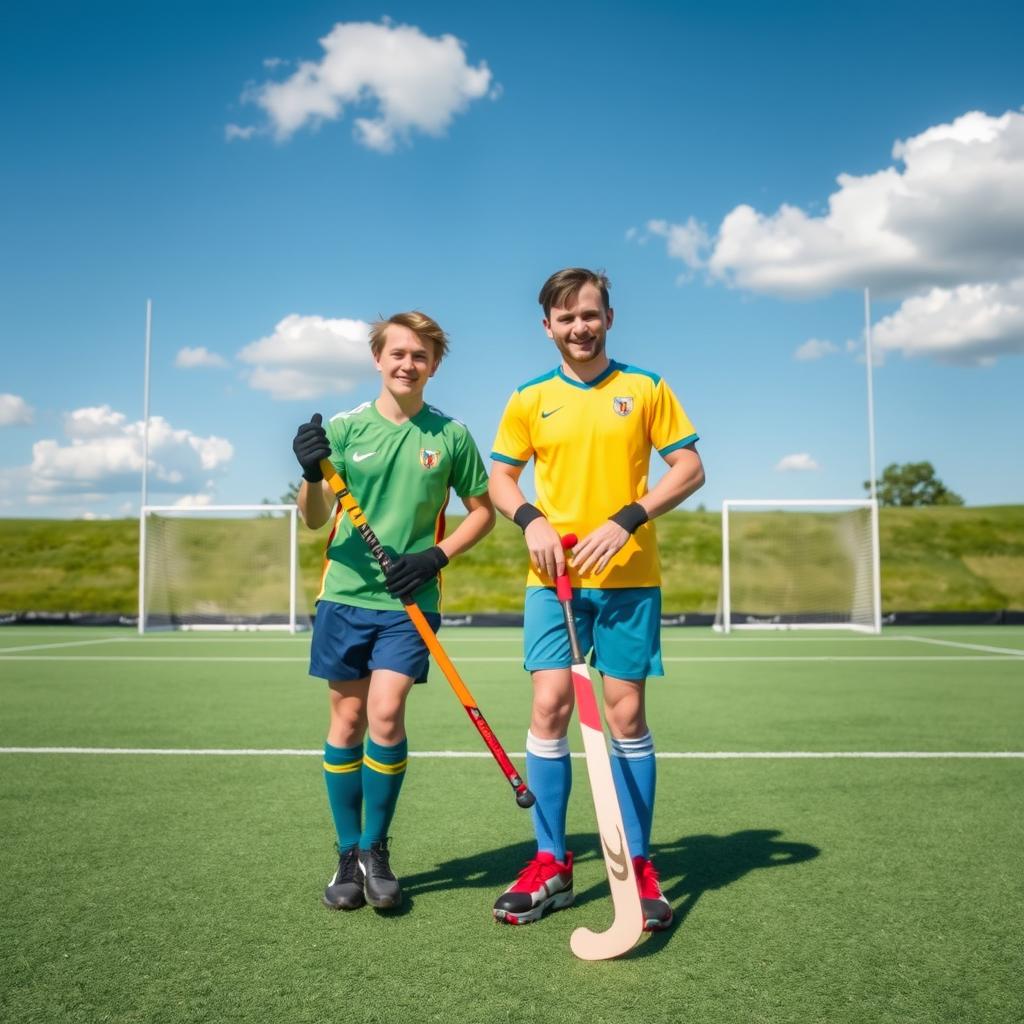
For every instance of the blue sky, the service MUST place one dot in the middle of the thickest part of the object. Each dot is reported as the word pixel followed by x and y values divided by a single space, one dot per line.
pixel 275 176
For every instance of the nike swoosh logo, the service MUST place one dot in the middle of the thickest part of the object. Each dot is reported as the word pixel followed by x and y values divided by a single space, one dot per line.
pixel 359 456
pixel 545 415
pixel 618 859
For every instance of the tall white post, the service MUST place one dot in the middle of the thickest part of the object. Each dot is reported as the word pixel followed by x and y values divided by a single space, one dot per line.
pixel 876 553
pixel 145 403
pixel 145 469
pixel 871 393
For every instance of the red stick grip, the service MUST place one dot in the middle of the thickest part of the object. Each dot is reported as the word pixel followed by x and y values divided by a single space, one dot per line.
pixel 563 588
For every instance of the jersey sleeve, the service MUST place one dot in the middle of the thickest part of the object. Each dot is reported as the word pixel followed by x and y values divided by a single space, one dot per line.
pixel 670 427
pixel 469 475
pixel 337 428
pixel 512 444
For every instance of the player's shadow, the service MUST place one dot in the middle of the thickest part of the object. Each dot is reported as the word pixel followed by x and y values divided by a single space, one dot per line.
pixel 694 865
pixel 689 866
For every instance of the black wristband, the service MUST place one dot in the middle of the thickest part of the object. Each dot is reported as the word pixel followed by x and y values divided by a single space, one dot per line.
pixel 630 517
pixel 525 514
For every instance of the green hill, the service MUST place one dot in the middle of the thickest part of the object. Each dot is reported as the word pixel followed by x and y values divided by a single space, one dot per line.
pixel 933 559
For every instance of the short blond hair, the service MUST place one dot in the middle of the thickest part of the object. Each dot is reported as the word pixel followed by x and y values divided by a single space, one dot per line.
pixel 424 327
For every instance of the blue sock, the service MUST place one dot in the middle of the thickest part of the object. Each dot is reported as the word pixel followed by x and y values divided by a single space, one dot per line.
pixel 549 772
pixel 635 775
pixel 383 775
pixel 344 791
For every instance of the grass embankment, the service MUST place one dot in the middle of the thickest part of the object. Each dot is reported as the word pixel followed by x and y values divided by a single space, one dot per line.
pixel 933 559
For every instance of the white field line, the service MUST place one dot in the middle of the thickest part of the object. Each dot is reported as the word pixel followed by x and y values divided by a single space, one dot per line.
pixel 966 647
pixel 217 659
pixel 716 755
pixel 66 643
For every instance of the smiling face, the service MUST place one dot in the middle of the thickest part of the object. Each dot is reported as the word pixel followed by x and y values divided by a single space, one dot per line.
pixel 405 362
pixel 579 329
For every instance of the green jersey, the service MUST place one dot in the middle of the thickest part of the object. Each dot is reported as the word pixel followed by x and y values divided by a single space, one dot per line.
pixel 400 474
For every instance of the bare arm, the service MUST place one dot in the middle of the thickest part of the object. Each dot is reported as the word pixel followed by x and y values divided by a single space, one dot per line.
pixel 685 475
pixel 478 523
pixel 541 537
pixel 316 503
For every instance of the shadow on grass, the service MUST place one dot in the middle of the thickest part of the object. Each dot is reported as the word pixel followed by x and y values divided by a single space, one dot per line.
pixel 694 865
pixel 689 866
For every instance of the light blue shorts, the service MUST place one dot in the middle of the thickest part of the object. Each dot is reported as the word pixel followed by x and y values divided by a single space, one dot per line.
pixel 622 626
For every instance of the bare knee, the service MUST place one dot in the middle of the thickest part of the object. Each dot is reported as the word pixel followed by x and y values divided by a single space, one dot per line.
pixel 552 704
pixel 624 708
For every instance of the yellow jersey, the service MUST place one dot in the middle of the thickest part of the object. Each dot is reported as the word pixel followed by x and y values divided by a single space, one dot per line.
pixel 592 443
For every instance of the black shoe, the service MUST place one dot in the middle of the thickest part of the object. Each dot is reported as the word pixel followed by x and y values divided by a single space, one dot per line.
pixel 345 889
pixel 380 886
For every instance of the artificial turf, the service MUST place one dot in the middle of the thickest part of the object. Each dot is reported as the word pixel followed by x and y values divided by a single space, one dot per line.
pixel 159 887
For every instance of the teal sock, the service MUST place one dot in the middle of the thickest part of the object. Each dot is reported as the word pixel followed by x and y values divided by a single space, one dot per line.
pixel 344 791
pixel 383 774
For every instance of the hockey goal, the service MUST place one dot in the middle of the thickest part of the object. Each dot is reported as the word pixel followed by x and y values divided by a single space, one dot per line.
pixel 808 564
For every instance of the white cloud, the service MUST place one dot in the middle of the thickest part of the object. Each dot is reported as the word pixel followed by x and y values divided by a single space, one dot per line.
pixel 15 411
pixel 798 462
pixel 104 457
pixel 238 131
pixel 417 82
pixel 953 214
pixel 969 325
pixel 686 242
pixel 201 500
pixel 310 356
pixel 272 63
pixel 814 348
pixel 941 228
pixel 189 358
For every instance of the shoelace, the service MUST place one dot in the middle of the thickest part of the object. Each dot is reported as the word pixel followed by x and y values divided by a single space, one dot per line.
pixel 536 872
pixel 380 861
pixel 649 879
pixel 348 866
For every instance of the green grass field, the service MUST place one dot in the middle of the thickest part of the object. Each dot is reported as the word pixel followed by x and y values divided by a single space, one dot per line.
pixel 166 838
pixel 933 559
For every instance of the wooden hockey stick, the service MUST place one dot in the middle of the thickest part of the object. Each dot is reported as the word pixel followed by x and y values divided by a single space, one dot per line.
pixel 628 924
pixel 523 795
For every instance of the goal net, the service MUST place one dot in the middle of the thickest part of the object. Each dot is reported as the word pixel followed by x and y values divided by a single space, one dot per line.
pixel 217 567
pixel 799 565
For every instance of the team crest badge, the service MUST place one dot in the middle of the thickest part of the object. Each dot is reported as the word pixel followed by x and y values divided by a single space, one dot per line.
pixel 429 459
pixel 623 406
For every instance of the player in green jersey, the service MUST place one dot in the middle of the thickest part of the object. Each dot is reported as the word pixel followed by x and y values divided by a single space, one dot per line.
pixel 400 457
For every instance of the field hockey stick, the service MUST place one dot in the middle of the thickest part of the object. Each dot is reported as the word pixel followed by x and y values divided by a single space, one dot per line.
pixel 628 923
pixel 523 795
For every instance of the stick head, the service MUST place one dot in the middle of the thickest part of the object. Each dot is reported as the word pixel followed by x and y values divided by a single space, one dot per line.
pixel 525 798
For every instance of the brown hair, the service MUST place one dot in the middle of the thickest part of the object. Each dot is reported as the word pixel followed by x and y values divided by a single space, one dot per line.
pixel 424 327
pixel 563 285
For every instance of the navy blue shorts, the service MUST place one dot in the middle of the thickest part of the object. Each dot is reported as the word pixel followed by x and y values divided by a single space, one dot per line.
pixel 349 643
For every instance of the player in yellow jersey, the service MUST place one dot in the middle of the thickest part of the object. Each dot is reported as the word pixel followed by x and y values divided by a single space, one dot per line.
pixel 590 425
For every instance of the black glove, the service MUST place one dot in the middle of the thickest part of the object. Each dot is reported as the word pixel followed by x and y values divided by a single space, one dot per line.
pixel 310 446
pixel 408 573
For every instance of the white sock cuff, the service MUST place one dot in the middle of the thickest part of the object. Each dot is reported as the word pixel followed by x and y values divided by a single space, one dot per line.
pixel 633 749
pixel 548 749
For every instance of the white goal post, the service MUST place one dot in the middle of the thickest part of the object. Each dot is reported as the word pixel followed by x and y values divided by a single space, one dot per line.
pixel 218 567
pixel 800 564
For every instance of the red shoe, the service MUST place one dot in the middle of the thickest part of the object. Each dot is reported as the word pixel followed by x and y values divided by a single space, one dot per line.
pixel 657 909
pixel 544 884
